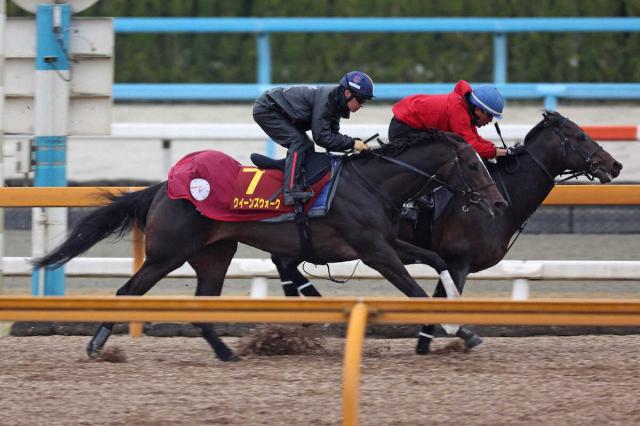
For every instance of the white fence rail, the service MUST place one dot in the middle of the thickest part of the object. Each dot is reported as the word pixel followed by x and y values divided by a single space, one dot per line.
pixel 17 152
pixel 250 268
pixel 253 131
pixel 249 131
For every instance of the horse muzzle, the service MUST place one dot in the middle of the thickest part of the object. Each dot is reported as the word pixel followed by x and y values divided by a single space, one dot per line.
pixel 497 209
pixel 606 175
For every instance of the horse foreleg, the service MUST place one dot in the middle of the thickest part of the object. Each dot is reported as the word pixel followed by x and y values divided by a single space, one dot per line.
pixel 379 255
pixel 470 338
pixel 447 286
pixel 293 282
pixel 211 266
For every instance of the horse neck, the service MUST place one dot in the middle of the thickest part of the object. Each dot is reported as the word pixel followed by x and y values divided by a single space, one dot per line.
pixel 529 185
pixel 398 184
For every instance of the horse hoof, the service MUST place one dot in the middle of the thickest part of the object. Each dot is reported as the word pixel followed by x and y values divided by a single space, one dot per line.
pixel 422 348
pixel 93 352
pixel 473 341
pixel 229 357
pixel 233 358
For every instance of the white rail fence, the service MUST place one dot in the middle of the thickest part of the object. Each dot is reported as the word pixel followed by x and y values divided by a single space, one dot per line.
pixel 17 151
pixel 168 132
pixel 520 271
pixel 557 270
pixel 247 131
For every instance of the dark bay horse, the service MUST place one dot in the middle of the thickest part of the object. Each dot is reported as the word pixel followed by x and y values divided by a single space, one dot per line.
pixel 362 224
pixel 470 242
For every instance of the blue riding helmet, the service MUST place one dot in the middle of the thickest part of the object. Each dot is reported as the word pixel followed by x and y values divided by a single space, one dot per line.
pixel 489 99
pixel 359 83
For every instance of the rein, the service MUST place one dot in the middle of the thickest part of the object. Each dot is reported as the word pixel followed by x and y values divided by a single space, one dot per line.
pixel 590 166
pixel 385 201
pixel 471 196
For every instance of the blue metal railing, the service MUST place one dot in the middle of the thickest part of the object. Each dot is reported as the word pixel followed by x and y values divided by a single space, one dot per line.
pixel 262 27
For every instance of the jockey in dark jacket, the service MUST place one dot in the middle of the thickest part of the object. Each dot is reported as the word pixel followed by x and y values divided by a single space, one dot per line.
pixel 285 114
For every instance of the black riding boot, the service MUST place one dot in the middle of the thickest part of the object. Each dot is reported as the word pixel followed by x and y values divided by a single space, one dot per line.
pixel 293 187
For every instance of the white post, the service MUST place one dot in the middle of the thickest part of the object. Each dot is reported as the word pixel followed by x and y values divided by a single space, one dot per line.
pixel 520 290
pixel 259 288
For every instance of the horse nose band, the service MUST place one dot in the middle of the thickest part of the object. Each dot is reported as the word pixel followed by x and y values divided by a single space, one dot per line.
pixel 590 167
pixel 471 195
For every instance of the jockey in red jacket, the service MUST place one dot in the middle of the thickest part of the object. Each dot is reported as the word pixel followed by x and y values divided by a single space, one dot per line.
pixel 460 112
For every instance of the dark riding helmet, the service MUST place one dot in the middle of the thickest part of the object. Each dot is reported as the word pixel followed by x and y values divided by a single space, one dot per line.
pixel 360 85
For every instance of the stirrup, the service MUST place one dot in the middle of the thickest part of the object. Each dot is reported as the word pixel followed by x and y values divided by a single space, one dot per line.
pixel 298 197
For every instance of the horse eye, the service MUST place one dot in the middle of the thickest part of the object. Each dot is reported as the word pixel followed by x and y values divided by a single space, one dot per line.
pixel 582 137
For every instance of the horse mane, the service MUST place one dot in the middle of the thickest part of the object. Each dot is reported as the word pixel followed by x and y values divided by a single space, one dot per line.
pixel 402 144
pixel 549 119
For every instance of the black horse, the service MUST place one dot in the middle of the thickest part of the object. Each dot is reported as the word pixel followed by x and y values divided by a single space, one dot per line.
pixel 362 224
pixel 471 242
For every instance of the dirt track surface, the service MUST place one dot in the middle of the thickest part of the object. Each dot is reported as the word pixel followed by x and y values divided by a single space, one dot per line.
pixel 169 381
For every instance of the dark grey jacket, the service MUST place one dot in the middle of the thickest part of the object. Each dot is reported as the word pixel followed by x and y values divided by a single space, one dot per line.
pixel 318 109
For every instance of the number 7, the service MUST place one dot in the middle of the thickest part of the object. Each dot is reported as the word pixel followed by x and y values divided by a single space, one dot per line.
pixel 256 178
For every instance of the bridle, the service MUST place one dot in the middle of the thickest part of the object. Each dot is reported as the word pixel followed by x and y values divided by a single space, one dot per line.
pixel 470 195
pixel 590 166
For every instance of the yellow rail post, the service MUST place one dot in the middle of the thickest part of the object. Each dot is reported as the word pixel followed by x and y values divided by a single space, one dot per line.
pixel 135 328
pixel 352 359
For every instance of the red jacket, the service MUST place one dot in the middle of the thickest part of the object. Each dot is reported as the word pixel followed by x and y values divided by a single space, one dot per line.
pixel 448 113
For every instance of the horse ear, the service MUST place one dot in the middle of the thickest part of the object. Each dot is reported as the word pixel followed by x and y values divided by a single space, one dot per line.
pixel 380 142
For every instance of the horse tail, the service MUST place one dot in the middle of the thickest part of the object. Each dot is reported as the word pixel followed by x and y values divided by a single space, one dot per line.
pixel 117 217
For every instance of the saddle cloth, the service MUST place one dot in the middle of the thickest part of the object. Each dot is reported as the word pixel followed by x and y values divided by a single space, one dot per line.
pixel 223 189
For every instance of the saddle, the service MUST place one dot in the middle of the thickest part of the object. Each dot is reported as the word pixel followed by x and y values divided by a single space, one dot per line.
pixel 316 165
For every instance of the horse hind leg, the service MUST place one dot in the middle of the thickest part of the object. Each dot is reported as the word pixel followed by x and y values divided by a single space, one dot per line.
pixel 211 265
pixel 293 282
pixel 152 270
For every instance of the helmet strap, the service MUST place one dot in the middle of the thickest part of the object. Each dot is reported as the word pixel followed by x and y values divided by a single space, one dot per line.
pixel 347 99
pixel 472 111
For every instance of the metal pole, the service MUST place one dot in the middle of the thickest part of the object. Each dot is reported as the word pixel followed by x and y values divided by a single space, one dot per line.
pixel 264 59
pixel 500 58
pixel 263 47
pixel 3 19
pixel 136 328
pixel 352 359
pixel 51 121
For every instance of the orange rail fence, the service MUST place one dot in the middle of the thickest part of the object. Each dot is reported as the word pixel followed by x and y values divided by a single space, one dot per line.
pixel 91 196
pixel 357 312
pixel 94 196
